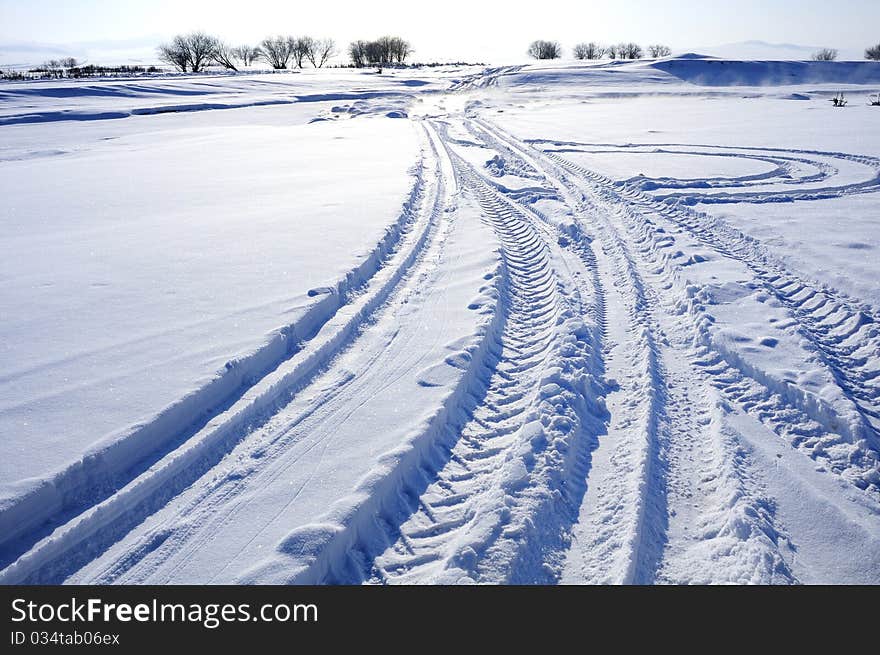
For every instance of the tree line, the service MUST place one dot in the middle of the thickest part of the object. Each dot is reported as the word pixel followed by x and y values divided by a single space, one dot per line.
pixel 70 67
pixel 382 51
pixel 542 49
pixel 195 51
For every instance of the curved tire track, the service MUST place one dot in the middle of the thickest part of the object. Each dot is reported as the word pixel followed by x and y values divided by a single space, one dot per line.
pixel 515 463
pixel 742 531
pixel 844 333
pixel 86 533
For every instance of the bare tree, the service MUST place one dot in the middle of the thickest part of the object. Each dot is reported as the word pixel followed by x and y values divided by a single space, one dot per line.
pixel 387 49
pixel 628 51
pixel 589 50
pixel 384 50
pixel 825 54
pixel 53 67
pixel 195 50
pixel 321 51
pixel 545 50
pixel 375 52
pixel 246 54
pixel 175 53
pixel 873 53
pixel 302 48
pixel 69 62
pixel 400 49
pixel 357 51
pixel 658 50
pixel 277 50
pixel 225 55
pixel 201 50
pixel 611 51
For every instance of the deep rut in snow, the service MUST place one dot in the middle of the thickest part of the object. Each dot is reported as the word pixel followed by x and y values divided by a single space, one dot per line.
pixel 512 464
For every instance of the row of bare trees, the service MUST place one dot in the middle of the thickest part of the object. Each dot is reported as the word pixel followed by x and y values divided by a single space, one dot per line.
pixel 382 51
pixel 56 68
pixel 278 51
pixel 193 52
pixel 591 50
pixel 542 49
pixel 59 64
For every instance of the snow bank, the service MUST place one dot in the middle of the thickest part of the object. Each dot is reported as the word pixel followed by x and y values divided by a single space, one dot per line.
pixel 80 100
pixel 720 72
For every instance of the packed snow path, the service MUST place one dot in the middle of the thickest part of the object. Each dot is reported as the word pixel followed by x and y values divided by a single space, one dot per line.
pixel 542 374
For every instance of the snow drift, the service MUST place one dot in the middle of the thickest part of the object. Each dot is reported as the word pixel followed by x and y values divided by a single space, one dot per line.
pixel 720 72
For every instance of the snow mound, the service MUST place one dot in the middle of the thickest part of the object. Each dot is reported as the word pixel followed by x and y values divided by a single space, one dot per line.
pixel 693 55
pixel 614 73
pixel 721 72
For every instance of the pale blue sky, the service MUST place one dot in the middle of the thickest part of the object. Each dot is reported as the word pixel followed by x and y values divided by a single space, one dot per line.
pixel 458 28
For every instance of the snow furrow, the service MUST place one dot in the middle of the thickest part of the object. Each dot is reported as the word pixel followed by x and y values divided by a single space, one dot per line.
pixel 623 514
pixel 511 461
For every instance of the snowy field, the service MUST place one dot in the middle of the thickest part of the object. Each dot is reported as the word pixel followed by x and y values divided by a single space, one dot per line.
pixel 597 323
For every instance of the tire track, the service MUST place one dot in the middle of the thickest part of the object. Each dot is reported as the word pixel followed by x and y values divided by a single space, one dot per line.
pixel 623 520
pixel 741 531
pixel 844 333
pixel 86 534
pixel 514 465
pixel 624 516
pixel 445 510
pixel 784 156
pixel 787 170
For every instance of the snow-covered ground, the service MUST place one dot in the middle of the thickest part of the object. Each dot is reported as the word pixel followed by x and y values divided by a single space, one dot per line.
pixel 609 322
pixel 46 101
pixel 160 256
